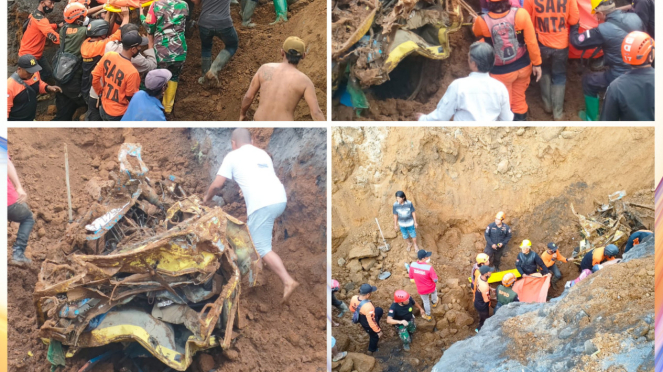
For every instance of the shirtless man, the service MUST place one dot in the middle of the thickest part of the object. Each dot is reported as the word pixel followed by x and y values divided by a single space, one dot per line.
pixel 281 86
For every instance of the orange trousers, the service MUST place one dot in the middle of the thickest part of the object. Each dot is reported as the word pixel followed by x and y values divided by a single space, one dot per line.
pixel 516 83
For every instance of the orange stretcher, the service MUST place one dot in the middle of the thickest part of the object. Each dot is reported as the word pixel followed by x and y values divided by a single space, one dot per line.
pixel 115 6
pixel 532 288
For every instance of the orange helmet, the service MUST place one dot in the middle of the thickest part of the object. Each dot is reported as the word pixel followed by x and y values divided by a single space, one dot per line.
pixel 74 11
pixel 636 48
pixel 401 296
pixel 84 2
pixel 482 258
pixel 508 279
pixel 500 215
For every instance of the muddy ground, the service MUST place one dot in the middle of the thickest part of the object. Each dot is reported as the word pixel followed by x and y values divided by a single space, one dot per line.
pixel 389 101
pixel 273 337
pixel 257 46
pixel 453 178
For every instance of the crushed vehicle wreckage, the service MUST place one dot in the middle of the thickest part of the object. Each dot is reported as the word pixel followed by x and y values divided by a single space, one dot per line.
pixel 146 264
pixel 370 38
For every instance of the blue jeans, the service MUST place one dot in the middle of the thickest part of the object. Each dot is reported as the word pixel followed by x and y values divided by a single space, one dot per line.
pixel 554 63
pixel 555 271
pixel 20 212
pixel 227 35
pixel 409 230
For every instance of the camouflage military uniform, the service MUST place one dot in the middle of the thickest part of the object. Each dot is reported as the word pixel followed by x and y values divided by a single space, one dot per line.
pixel 166 20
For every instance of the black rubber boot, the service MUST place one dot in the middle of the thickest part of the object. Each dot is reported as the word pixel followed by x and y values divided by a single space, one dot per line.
pixel 18 258
pixel 520 117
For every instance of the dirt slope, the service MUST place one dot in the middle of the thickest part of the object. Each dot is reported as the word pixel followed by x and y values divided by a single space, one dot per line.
pixel 38 156
pixel 451 176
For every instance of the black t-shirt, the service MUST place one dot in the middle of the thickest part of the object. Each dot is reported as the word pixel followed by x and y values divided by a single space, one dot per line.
pixel 630 97
pixel 398 312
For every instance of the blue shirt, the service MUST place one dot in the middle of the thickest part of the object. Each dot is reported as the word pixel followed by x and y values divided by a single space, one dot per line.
pixel 144 107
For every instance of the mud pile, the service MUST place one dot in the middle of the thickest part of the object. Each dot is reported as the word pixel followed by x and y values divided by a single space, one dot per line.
pixel 457 179
pixel 259 343
pixel 257 46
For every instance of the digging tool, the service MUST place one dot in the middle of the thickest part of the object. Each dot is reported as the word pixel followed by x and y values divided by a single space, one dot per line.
pixel 66 171
pixel 386 246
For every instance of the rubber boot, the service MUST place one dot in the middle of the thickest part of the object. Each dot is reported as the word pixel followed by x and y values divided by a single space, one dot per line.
pixel 518 117
pixel 406 347
pixel 220 61
pixel 553 282
pixel 558 92
pixel 247 13
pixel 242 5
pixel 544 84
pixel 344 308
pixel 205 64
pixel 169 97
pixel 591 112
pixel 18 258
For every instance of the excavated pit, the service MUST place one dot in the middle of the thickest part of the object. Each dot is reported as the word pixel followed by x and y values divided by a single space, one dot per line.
pixel 451 175
pixel 270 336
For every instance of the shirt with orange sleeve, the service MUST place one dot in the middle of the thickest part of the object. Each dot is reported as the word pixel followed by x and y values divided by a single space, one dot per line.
pixel 525 33
pixel 21 103
pixel 550 259
pixel 34 38
pixel 367 310
pixel 552 20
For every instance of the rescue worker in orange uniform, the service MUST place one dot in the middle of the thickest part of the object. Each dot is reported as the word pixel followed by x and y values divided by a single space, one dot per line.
pixel 552 20
pixel 594 258
pixel 369 315
pixel 482 295
pixel 550 258
pixel 23 87
pixel 35 32
pixel 482 259
pixel 517 55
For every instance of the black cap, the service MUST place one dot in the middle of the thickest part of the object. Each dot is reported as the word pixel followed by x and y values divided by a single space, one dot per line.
pixel 423 254
pixel 367 288
pixel 131 39
pixel 29 63
pixel 486 269
pixel 552 247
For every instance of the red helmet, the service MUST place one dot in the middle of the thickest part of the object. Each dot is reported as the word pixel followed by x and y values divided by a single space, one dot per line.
pixel 636 48
pixel 335 284
pixel 74 11
pixel 401 296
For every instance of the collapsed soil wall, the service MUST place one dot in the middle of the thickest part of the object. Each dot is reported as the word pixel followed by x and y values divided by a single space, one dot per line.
pixel 272 336
pixel 457 179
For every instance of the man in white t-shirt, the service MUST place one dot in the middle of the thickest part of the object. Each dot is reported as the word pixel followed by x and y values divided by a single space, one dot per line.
pixel 264 194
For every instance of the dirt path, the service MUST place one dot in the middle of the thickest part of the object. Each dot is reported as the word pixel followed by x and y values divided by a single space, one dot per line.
pixel 273 337
pixel 451 175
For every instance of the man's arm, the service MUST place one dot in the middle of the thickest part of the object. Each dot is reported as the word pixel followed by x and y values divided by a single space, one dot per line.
pixel 250 94
pixel 312 101
pixel 519 266
pixel 46 28
pixel 446 108
pixel 487 236
pixel 574 13
pixel 216 185
pixel 508 236
pixel 13 176
pixel 544 269
pixel 196 2
pixel 505 113
pixel 589 39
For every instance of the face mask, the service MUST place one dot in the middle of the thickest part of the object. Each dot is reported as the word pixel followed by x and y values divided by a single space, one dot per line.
pixel 47 10
pixel 428 260
pixel 87 20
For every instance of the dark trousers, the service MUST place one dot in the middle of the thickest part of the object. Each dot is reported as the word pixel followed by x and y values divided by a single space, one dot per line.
pixel 106 117
pixel 495 255
pixel 67 104
pixel 373 336
pixel 554 63
pixel 555 271
pixel 46 69
pixel 20 212
pixel 483 315
pixel 336 302
pixel 227 35
pixel 593 83
pixel 92 113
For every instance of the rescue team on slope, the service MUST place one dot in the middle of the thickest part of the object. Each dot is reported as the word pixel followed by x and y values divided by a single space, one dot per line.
pixel 105 65
pixel 422 273
pixel 532 37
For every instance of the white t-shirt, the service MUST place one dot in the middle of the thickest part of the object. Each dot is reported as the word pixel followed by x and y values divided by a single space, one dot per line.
pixel 253 170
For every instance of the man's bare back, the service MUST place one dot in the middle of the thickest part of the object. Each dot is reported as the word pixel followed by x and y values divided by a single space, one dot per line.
pixel 281 87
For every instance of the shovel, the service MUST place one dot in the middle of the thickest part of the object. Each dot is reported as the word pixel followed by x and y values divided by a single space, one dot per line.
pixel 384 248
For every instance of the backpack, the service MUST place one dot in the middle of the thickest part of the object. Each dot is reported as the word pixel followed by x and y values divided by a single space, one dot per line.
pixel 505 41
pixel 65 65
pixel 355 315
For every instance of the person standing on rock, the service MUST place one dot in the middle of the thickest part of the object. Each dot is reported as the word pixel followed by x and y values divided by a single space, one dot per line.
pixel 340 305
pixel 400 315
pixel 528 262
pixel 550 258
pixel 482 295
pixel 425 278
pixel 214 21
pixel 506 295
pixel 367 315
pixel 265 197
pixel 594 258
pixel 497 236
pixel 336 355
pixel 482 260
pixel 405 219
pixel 18 211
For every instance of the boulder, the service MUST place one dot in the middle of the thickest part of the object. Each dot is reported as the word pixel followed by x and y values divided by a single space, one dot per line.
pixel 424 325
pixel 503 166
pixel 368 250
pixel 442 324
pixel 354 266
pixel 368 263
pixel 361 362
pixel 346 365
pixel 549 133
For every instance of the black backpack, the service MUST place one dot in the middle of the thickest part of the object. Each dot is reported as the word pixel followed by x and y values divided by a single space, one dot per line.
pixel 355 315
pixel 65 65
